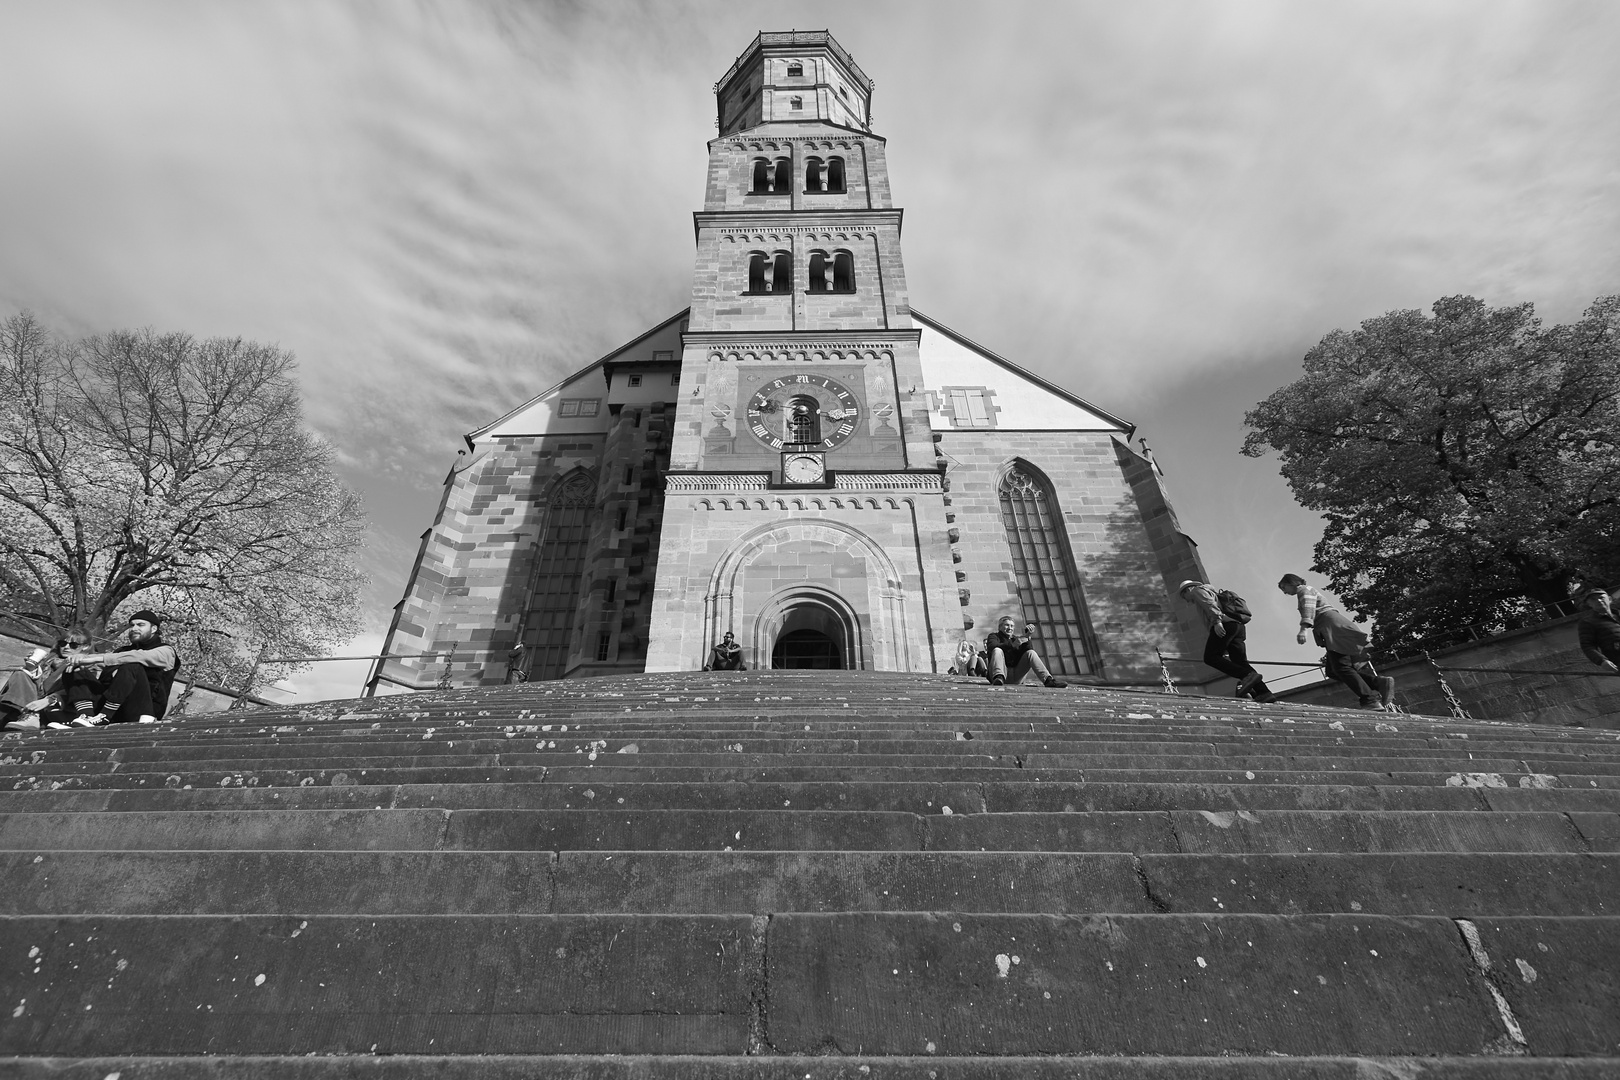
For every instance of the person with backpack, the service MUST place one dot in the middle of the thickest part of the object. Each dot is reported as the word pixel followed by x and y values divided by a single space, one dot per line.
pixel 1226 650
pixel 1344 642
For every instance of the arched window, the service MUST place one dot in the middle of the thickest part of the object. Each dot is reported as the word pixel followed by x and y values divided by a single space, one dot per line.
pixel 762 176
pixel 795 102
pixel 843 272
pixel 795 69
pixel 804 420
pixel 835 174
pixel 559 564
pixel 757 263
pixel 818 271
pixel 1048 587
pixel 812 175
pixel 784 176
pixel 782 273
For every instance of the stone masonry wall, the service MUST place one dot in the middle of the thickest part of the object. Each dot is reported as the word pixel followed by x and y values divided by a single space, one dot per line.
pixel 1584 697
pixel 469 589
pixel 1121 578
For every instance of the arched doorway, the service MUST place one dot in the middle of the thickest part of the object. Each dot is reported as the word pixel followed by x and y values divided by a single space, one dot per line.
pixel 806 649
pixel 808 630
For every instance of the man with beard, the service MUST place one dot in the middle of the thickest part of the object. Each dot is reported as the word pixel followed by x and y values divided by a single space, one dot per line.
pixel 132 683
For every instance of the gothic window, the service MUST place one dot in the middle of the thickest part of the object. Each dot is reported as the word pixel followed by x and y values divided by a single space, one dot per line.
pixel 559 563
pixel 835 174
pixel 813 175
pixel 762 176
pixel 795 70
pixel 603 643
pixel 782 176
pixel 1048 587
pixel 804 420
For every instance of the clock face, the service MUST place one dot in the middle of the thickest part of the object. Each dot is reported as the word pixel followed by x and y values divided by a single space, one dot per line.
pixel 803 411
pixel 804 468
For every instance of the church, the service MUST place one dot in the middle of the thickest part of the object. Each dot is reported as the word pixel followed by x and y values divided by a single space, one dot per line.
pixel 800 458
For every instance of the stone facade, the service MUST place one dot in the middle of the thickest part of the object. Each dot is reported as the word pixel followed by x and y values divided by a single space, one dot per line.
pixel 799 458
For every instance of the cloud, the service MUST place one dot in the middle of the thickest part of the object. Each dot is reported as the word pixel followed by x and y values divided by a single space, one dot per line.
pixel 443 207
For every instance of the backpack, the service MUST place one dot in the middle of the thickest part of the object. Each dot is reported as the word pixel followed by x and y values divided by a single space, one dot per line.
pixel 1233 606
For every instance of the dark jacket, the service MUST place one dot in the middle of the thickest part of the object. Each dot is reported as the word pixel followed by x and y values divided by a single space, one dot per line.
pixel 1012 646
pixel 1597 629
pixel 162 664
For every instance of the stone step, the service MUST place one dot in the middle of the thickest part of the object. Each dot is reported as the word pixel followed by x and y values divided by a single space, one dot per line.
pixel 916 797
pixel 618 769
pixel 1225 831
pixel 793 984
pixel 997 796
pixel 819 1067
pixel 738 882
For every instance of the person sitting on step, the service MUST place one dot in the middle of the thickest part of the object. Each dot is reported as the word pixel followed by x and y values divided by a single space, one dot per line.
pixel 128 684
pixel 726 656
pixel 35 691
pixel 1007 650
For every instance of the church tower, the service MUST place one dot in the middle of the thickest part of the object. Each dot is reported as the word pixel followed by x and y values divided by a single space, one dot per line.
pixel 804 506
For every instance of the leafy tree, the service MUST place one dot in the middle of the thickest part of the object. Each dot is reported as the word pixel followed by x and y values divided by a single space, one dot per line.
pixel 1467 464
pixel 143 470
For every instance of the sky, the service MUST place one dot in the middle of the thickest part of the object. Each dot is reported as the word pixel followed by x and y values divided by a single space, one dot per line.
pixel 443 208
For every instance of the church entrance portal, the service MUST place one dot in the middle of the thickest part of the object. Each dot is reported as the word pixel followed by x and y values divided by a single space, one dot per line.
pixel 811 633
pixel 806 649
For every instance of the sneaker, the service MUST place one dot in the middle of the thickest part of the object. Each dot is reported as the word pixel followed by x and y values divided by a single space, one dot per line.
pixel 1386 692
pixel 147 718
pixel 1372 704
pixel 1055 684
pixel 90 721
pixel 57 725
pixel 1246 683
pixel 1265 699
pixel 28 721
pixel 997 680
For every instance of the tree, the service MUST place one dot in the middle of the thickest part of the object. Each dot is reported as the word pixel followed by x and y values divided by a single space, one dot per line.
pixel 1467 464
pixel 143 470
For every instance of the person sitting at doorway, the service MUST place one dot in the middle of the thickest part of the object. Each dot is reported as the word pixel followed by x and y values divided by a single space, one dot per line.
pixel 726 656
pixel 1016 655
pixel 127 684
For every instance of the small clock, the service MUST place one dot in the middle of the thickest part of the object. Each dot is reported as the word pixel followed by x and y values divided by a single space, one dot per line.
pixel 803 412
pixel 803 468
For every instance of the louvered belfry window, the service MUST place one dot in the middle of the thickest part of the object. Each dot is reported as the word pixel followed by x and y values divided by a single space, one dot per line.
pixel 556 578
pixel 1047 584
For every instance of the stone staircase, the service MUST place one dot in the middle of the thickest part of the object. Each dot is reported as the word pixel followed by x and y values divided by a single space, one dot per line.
pixel 810 875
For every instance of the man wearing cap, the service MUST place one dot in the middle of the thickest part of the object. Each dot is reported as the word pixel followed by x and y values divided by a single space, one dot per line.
pixel 134 680
pixel 1226 650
